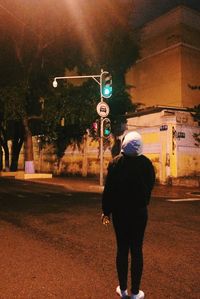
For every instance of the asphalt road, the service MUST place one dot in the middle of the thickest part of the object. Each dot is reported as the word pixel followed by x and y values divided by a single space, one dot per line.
pixel 53 245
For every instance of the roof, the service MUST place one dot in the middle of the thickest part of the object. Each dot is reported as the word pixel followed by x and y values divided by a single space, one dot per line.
pixel 154 109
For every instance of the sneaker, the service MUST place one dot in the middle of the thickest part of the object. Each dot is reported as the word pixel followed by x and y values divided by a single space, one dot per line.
pixel 140 295
pixel 122 294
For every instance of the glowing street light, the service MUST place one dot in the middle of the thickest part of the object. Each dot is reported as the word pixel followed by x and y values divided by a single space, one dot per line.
pixel 55 83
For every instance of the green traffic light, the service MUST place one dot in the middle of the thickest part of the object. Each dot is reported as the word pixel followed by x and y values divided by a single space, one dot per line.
pixel 106 85
pixel 106 127
pixel 107 91
pixel 107 132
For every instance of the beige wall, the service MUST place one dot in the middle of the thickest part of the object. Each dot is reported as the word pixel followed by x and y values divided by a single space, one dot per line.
pixel 172 157
pixel 188 155
pixel 190 75
pixel 157 79
pixel 78 160
pixel 169 61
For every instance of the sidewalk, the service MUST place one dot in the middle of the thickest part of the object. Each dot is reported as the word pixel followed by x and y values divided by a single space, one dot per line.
pixel 81 184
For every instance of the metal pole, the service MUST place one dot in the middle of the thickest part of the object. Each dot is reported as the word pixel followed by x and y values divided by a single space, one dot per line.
pixel 101 141
pixel 101 152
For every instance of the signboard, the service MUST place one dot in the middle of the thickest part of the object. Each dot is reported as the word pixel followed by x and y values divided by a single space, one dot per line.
pixel 164 128
pixel 103 109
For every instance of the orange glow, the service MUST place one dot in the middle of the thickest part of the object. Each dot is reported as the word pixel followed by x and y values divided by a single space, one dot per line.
pixel 81 23
pixel 93 18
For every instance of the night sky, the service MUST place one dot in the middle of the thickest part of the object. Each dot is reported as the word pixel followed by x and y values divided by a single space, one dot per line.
pixel 89 19
pixel 147 10
pixel 144 10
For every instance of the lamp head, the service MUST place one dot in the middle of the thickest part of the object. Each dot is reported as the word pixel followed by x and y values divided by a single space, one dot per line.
pixel 55 83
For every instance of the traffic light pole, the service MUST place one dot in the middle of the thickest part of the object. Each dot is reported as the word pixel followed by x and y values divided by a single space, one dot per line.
pixel 101 149
pixel 95 78
pixel 103 77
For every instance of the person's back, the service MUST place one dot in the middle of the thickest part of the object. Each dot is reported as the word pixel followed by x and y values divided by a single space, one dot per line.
pixel 130 179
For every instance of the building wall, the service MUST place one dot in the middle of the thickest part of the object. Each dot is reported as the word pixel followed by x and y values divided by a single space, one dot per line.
pixel 169 60
pixel 158 79
pixel 188 154
pixel 190 70
pixel 172 156
pixel 82 159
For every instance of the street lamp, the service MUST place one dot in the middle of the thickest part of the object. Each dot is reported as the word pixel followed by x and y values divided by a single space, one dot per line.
pixel 55 83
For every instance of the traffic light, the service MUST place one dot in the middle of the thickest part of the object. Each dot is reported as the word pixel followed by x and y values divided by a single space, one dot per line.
pixel 106 127
pixel 94 130
pixel 95 127
pixel 106 84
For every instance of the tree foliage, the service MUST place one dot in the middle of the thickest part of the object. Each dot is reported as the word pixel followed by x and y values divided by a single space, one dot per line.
pixel 195 111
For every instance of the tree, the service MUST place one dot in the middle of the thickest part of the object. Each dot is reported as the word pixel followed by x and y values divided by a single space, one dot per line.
pixel 10 126
pixel 75 106
pixel 116 51
pixel 30 42
pixel 196 115
pixel 3 139
pixel 43 41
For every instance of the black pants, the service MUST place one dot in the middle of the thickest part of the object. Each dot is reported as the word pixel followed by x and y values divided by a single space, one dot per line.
pixel 129 232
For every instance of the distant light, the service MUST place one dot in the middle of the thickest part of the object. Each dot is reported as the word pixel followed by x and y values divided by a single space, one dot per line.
pixel 55 83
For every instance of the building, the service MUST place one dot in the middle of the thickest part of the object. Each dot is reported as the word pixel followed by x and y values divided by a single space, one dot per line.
pixel 169 63
pixel 168 135
pixel 166 80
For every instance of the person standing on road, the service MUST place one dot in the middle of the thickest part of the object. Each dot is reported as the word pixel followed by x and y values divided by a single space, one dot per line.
pixel 126 195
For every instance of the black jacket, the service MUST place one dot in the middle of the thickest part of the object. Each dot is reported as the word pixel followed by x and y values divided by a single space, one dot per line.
pixel 128 186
